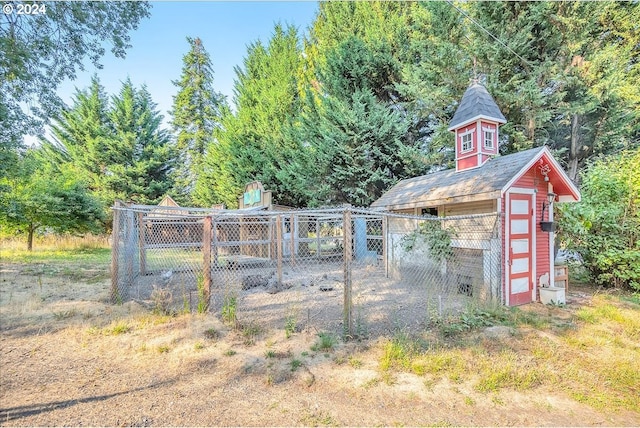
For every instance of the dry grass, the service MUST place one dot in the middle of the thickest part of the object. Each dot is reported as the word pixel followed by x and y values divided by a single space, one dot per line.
pixel 102 364
pixel 594 359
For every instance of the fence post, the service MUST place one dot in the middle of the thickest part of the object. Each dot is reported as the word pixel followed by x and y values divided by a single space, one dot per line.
pixel 142 243
pixel 348 253
pixel 206 265
pixel 115 241
pixel 385 252
pixel 130 252
pixel 279 246
pixel 293 233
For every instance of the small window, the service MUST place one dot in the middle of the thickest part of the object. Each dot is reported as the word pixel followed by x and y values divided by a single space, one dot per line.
pixel 467 142
pixel 430 211
pixel 488 139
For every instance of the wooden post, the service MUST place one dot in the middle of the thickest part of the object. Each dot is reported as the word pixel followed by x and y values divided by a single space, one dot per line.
pixel 214 228
pixel 348 304
pixel 130 239
pixel 293 240
pixel 385 254
pixel 115 241
pixel 318 249
pixel 206 265
pixel 279 246
pixel 141 244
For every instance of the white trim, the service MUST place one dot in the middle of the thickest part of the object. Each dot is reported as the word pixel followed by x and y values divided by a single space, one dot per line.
pixel 475 119
pixel 552 238
pixel 563 176
pixel 523 190
pixel 486 131
pixel 507 243
pixel 464 134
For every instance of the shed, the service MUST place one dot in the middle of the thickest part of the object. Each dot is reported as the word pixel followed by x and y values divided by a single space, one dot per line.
pixel 522 187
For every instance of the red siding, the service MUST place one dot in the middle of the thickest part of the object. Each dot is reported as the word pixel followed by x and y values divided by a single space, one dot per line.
pixel 466 163
pixel 493 127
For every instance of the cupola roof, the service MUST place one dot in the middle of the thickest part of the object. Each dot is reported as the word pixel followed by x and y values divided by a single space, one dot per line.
pixel 476 103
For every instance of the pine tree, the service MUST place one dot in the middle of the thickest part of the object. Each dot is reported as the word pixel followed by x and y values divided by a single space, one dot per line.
pixel 356 139
pixel 252 143
pixel 116 146
pixel 80 135
pixel 196 115
pixel 139 151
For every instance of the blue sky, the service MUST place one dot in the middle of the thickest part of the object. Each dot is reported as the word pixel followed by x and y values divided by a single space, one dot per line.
pixel 159 43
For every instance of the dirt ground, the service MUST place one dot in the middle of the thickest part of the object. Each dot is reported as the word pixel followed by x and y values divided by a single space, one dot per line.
pixel 68 357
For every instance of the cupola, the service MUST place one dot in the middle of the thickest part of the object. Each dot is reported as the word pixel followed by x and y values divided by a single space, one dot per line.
pixel 475 124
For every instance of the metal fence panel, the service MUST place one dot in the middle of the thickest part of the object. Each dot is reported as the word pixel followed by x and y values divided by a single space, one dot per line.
pixel 346 271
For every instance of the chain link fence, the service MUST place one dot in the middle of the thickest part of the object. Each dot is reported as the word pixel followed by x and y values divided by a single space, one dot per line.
pixel 346 271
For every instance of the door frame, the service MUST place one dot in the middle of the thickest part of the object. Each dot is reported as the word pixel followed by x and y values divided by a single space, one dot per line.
pixel 507 242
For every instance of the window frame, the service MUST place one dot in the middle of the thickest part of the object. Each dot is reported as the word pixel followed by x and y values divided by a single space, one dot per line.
pixel 462 141
pixel 492 133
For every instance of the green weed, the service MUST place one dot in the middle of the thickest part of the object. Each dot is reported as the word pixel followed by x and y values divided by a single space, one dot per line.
pixel 325 342
pixel 229 309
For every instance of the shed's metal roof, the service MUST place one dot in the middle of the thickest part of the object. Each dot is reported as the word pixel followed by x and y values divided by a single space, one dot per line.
pixel 476 102
pixel 449 186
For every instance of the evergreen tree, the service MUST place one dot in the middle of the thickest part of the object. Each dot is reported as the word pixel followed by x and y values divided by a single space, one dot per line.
pixel 81 134
pixel 356 141
pixel 252 143
pixel 558 79
pixel 139 151
pixel 196 115
pixel 116 146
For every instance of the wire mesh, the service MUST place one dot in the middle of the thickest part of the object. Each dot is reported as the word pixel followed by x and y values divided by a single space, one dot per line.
pixel 347 271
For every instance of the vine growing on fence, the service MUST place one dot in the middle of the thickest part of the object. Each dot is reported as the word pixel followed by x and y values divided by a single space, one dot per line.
pixel 437 238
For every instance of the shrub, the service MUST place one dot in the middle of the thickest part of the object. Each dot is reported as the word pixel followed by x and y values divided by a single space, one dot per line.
pixel 604 228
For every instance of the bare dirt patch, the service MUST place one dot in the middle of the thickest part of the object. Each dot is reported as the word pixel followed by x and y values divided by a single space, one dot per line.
pixel 68 357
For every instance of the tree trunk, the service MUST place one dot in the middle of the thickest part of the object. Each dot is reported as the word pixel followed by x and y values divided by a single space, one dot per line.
pixel 573 149
pixel 30 237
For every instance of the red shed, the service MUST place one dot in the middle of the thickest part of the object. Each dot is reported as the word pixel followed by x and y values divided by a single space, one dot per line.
pixel 522 186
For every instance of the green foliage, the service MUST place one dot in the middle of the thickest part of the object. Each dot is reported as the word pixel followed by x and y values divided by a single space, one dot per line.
pixel 604 227
pixel 325 342
pixel 117 146
pixel 203 296
pixel 229 309
pixel 39 195
pixel 196 114
pixel 251 143
pixel 437 238
pixel 39 52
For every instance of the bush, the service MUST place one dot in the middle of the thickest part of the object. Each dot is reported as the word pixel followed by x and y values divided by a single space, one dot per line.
pixel 604 228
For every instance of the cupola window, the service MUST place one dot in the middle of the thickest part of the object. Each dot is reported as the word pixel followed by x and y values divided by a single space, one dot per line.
pixel 467 142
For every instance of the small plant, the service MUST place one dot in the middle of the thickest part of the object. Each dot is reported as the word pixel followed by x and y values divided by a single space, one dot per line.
pixel 163 349
pixel 270 353
pixel 229 308
pixel 119 328
pixel 198 346
pixel 325 342
pixel 290 325
pixel 203 295
pixel 230 352
pixel 355 362
pixel 437 238
pixel 250 331
pixel 295 364
pixel 211 334
pixel 63 315
pixel 162 300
